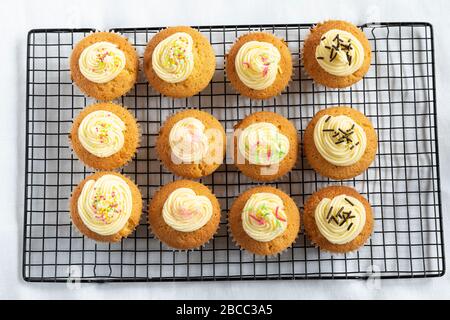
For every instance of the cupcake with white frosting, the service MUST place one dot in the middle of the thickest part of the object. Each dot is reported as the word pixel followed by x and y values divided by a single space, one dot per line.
pixel 264 221
pixel 104 65
pixel 184 214
pixel 105 136
pixel 265 146
pixel 340 143
pixel 338 219
pixel 259 65
pixel 191 143
pixel 336 54
pixel 179 62
pixel 106 206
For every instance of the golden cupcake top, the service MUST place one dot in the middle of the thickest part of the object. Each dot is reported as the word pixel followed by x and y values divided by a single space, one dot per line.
pixel 340 53
pixel 173 58
pixel 186 211
pixel 188 141
pixel 339 140
pixel 105 204
pixel 257 64
pixel 263 216
pixel 101 62
pixel 262 143
pixel 101 133
pixel 341 219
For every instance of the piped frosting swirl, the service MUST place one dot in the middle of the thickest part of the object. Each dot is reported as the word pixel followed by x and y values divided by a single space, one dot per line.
pixel 186 211
pixel 263 216
pixel 339 140
pixel 101 133
pixel 341 219
pixel 101 62
pixel 173 58
pixel 257 64
pixel 105 204
pixel 262 143
pixel 188 141
pixel 340 53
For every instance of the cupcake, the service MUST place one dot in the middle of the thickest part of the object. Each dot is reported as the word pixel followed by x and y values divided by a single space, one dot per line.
pixel 184 214
pixel 105 136
pixel 106 206
pixel 340 143
pixel 179 62
pixel 265 146
pixel 104 65
pixel 259 65
pixel 191 144
pixel 338 219
pixel 336 54
pixel 264 220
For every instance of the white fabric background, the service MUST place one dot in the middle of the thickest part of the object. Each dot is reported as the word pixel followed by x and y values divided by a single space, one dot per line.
pixel 17 17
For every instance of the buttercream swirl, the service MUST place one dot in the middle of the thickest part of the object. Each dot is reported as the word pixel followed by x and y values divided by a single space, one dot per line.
pixel 173 59
pixel 101 133
pixel 188 141
pixel 101 62
pixel 341 219
pixel 257 64
pixel 340 53
pixel 186 211
pixel 262 143
pixel 339 140
pixel 105 205
pixel 263 216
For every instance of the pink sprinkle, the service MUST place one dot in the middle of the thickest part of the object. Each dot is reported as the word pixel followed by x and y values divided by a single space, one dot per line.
pixel 246 64
pixel 260 221
pixel 278 217
pixel 265 71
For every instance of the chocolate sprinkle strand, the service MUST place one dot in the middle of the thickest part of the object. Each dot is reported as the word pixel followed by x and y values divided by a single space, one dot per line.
pixel 356 143
pixel 329 212
pixel 340 210
pixel 349 226
pixel 344 133
pixel 349 202
pixel 320 58
pixel 351 128
pixel 340 141
pixel 329 117
pixel 323 39
pixel 328 130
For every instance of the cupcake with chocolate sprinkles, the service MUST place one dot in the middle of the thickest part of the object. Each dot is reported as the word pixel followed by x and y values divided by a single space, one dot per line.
pixel 340 143
pixel 338 219
pixel 336 54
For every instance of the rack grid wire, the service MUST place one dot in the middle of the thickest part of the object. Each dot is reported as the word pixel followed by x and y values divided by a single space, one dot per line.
pixel 402 185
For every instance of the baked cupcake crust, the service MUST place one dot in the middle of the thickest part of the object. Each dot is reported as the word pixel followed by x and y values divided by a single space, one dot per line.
pixel 281 81
pixel 316 72
pixel 178 239
pixel 118 159
pixel 277 245
pixel 286 128
pixel 327 169
pixel 118 86
pixel 133 221
pixel 189 170
pixel 204 65
pixel 313 232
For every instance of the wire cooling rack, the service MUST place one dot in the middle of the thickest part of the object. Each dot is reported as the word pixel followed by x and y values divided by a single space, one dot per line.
pixel 397 95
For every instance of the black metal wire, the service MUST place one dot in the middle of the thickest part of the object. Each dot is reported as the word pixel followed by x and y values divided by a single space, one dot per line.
pixel 403 184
